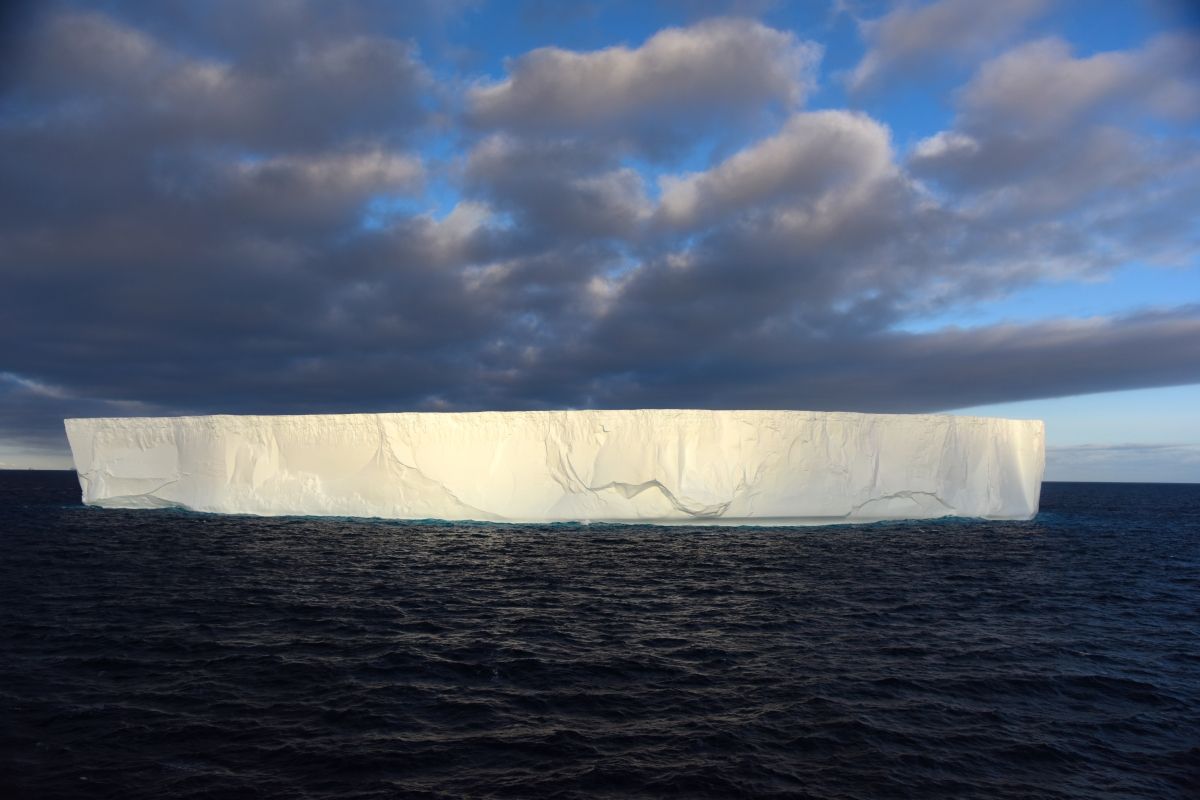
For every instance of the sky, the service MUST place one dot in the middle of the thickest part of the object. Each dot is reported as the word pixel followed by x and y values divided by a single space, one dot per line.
pixel 311 207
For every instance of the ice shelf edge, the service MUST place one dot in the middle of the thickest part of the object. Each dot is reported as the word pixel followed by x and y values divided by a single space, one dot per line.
pixel 649 466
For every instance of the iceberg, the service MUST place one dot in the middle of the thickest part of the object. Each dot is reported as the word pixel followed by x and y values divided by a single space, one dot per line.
pixel 637 466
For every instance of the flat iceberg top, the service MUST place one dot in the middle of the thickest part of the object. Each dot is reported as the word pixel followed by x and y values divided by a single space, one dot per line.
pixel 650 465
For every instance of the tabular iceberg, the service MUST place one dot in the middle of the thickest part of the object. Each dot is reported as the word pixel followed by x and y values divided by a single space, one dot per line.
pixel 655 466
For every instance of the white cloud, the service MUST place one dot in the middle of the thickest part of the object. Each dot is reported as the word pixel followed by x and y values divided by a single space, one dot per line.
pixel 1042 87
pixel 33 387
pixel 1060 145
pixel 947 144
pixel 821 156
pixel 706 72
pixel 914 36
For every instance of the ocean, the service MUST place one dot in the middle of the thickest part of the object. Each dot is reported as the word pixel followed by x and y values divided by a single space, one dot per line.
pixel 165 654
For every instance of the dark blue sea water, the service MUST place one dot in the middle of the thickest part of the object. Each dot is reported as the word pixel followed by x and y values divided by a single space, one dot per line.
pixel 160 654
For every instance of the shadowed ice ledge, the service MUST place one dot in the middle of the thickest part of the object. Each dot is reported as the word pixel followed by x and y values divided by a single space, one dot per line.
pixel 647 466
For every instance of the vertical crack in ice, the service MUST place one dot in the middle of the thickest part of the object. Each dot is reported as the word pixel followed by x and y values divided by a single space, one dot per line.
pixel 385 455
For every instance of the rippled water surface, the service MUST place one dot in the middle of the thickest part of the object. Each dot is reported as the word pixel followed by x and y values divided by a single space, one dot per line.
pixel 161 654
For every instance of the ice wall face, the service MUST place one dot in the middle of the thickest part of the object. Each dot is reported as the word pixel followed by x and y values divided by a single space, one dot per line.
pixel 660 466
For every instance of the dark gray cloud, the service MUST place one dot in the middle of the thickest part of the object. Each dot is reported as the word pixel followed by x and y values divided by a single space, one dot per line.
pixel 105 72
pixel 278 211
pixel 772 367
pixel 557 189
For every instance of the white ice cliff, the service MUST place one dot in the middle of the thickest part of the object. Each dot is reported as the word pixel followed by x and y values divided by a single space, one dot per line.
pixel 710 467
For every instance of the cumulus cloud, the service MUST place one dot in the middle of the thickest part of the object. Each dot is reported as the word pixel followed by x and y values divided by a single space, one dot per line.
pixel 310 95
pixel 819 158
pixel 714 72
pixel 1041 87
pixel 328 188
pixel 1042 135
pixel 913 37
pixel 557 188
